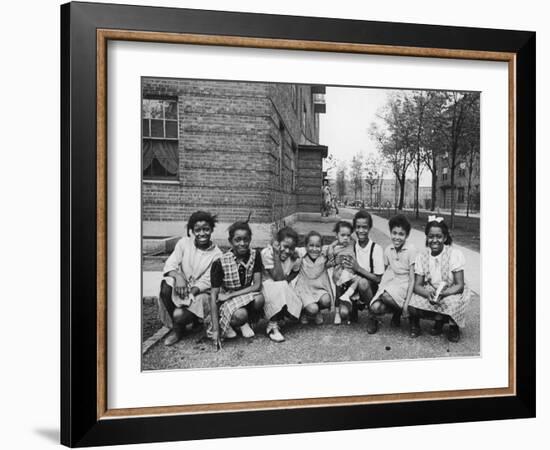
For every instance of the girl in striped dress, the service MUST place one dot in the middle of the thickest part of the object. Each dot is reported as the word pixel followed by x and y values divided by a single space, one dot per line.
pixel 440 293
pixel 236 282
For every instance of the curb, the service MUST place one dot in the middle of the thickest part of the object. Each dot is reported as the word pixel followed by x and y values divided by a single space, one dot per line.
pixel 154 339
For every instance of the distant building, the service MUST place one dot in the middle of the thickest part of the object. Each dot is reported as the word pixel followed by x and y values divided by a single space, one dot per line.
pixel 232 148
pixel 443 185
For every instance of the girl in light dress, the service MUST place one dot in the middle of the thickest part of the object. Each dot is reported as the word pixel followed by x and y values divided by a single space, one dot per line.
pixel 440 293
pixel 185 287
pixel 280 267
pixel 396 286
pixel 313 283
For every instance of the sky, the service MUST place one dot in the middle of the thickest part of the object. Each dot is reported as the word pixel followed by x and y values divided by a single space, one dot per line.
pixel 344 128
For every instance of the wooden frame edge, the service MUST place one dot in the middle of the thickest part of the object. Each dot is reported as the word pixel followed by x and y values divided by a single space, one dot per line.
pixel 103 35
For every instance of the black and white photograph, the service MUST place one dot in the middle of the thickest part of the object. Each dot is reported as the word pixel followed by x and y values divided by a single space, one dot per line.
pixel 287 224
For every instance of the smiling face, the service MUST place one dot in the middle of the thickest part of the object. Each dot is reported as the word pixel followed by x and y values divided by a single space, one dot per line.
pixel 344 235
pixel 313 247
pixel 202 232
pixel 240 242
pixel 362 229
pixel 287 246
pixel 435 240
pixel 398 237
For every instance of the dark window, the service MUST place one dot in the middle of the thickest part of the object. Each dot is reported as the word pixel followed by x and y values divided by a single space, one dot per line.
pixel 160 138
pixel 461 195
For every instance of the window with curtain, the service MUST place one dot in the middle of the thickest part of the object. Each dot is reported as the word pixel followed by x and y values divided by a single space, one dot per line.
pixel 160 138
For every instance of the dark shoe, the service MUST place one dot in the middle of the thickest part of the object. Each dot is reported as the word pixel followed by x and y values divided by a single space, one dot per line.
pixel 437 329
pixel 454 333
pixel 372 325
pixel 415 328
pixel 396 320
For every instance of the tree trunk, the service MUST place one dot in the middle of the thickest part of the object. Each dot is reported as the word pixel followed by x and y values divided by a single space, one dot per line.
pixel 453 202
pixel 417 188
pixel 402 192
pixel 434 186
pixel 469 190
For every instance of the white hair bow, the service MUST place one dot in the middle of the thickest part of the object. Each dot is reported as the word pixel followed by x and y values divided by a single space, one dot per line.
pixel 435 219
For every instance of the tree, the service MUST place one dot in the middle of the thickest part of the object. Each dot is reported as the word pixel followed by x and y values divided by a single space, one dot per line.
pixel 416 106
pixel 395 140
pixel 372 166
pixel 433 140
pixel 330 163
pixel 471 148
pixel 452 124
pixel 341 180
pixel 356 174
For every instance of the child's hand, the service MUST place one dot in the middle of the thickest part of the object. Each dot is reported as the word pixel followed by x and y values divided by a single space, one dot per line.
pixel 432 298
pixel 276 246
pixel 181 286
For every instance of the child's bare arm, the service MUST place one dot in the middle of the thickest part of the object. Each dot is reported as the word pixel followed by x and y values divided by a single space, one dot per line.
pixel 457 287
pixel 420 289
pixel 410 289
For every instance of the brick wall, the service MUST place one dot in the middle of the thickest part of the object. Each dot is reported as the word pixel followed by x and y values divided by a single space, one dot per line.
pixel 310 181
pixel 231 135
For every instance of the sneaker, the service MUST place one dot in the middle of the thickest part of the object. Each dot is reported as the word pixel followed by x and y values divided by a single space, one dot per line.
pixel 319 318
pixel 337 318
pixel 275 334
pixel 396 320
pixel 172 338
pixel 230 333
pixel 453 333
pixel 437 329
pixel 246 331
pixel 303 319
pixel 372 325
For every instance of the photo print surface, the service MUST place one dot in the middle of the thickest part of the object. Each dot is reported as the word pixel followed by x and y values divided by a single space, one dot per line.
pixel 287 224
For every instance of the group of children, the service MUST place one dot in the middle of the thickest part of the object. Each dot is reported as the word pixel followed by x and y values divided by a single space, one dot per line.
pixel 231 291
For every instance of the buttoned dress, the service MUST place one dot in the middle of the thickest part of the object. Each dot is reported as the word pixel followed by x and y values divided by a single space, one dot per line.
pixel 395 280
pixel 436 269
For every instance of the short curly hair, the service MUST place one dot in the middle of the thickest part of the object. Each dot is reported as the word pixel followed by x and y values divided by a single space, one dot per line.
pixel 400 221
pixel 362 214
pixel 201 216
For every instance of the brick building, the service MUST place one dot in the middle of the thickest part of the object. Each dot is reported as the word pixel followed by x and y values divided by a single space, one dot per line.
pixel 443 185
pixel 232 148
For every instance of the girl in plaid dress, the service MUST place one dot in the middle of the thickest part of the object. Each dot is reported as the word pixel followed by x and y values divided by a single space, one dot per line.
pixel 440 293
pixel 236 282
